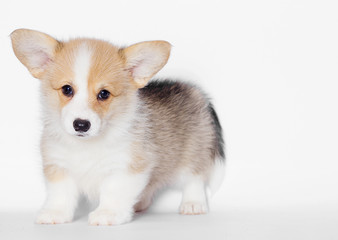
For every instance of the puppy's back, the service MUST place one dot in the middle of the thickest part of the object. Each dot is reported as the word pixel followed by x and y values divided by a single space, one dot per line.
pixel 183 127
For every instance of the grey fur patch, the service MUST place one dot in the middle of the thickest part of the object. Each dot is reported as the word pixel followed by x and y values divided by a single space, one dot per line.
pixel 184 111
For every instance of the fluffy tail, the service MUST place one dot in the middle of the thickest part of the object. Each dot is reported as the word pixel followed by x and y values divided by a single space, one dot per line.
pixel 216 177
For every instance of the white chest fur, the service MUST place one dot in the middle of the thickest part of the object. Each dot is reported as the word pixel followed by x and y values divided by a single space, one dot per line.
pixel 88 162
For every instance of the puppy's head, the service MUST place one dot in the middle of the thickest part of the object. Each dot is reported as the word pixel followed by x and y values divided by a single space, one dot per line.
pixel 88 83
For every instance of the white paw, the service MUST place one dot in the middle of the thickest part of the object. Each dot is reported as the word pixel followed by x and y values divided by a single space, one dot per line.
pixel 53 216
pixel 193 208
pixel 108 217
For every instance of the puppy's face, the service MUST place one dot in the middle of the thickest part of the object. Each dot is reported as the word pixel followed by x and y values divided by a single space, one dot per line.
pixel 89 86
pixel 87 83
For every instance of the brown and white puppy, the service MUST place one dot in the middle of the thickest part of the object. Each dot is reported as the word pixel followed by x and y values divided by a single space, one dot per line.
pixel 111 135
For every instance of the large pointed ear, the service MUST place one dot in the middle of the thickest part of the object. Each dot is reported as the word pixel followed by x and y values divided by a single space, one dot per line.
pixel 145 59
pixel 34 49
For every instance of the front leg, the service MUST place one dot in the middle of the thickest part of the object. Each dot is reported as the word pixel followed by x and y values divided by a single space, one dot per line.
pixel 118 194
pixel 62 196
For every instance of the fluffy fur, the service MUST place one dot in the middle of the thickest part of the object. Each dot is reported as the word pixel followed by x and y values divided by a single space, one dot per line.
pixel 141 138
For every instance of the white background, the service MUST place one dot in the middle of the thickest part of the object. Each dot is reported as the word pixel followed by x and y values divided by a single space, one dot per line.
pixel 271 68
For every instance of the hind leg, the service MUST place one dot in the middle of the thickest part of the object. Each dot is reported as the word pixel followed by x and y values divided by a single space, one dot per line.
pixel 194 200
pixel 145 199
pixel 143 204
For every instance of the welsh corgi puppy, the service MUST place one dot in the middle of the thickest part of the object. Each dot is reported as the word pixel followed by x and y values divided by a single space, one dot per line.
pixel 114 136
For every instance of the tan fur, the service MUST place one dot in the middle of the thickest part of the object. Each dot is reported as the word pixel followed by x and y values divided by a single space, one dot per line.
pixel 61 71
pixel 54 173
pixel 106 73
pixel 139 162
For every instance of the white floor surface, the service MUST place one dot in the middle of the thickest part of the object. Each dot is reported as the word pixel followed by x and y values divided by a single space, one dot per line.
pixel 241 224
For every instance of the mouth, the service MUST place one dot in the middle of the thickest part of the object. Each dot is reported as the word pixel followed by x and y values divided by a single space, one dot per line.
pixel 80 135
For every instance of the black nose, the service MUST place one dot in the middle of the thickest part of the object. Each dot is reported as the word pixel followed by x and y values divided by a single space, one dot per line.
pixel 81 125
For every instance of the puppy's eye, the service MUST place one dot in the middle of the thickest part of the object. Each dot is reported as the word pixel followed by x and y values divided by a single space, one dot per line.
pixel 103 95
pixel 67 90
